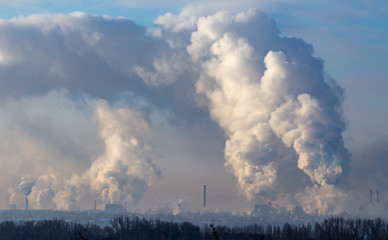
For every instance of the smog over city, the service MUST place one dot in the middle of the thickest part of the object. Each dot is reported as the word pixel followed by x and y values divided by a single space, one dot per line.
pixel 246 108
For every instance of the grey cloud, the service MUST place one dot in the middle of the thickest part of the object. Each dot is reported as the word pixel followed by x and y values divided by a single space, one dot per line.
pixel 42 52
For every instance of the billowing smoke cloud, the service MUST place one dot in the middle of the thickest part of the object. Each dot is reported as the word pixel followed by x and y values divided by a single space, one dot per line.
pixel 270 96
pixel 122 172
pixel 43 194
pixel 44 198
pixel 66 199
pixel 69 51
pixel 25 185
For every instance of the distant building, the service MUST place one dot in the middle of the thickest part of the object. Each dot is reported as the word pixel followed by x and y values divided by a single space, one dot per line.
pixel 114 208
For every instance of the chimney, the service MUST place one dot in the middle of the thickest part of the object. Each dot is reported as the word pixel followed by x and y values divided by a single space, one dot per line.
pixel 204 196
pixel 95 205
pixel 26 203
pixel 377 196
pixel 125 204
pixel 371 196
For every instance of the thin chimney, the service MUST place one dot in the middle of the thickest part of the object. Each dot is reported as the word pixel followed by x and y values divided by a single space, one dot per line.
pixel 26 203
pixel 377 196
pixel 371 196
pixel 204 196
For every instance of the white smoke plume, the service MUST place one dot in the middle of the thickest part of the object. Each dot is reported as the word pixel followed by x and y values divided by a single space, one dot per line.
pixel 25 185
pixel 270 96
pixel 122 172
pixel 68 51
pixel 44 198
pixel 325 199
pixel 43 194
pixel 66 199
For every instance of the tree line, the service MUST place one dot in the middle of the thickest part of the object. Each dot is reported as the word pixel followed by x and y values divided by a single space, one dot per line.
pixel 121 228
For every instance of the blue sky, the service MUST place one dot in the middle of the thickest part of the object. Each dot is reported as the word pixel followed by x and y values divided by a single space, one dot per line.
pixel 350 36
pixel 142 13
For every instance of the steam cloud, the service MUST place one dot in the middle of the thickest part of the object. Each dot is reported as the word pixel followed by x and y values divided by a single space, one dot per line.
pixel 26 185
pixel 280 113
pixel 122 172
pixel 269 95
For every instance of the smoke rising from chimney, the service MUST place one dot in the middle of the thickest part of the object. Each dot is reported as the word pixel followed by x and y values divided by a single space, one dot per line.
pixel 271 98
pixel 122 172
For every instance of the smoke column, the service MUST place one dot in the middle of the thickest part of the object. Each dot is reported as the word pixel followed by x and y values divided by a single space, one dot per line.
pixel 278 111
pixel 122 172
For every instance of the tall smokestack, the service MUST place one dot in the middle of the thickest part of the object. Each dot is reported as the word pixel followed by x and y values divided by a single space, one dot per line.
pixel 204 196
pixel 95 205
pixel 26 203
pixel 371 196
pixel 377 196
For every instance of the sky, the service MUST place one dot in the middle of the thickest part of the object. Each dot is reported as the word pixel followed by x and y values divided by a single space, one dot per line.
pixel 147 102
